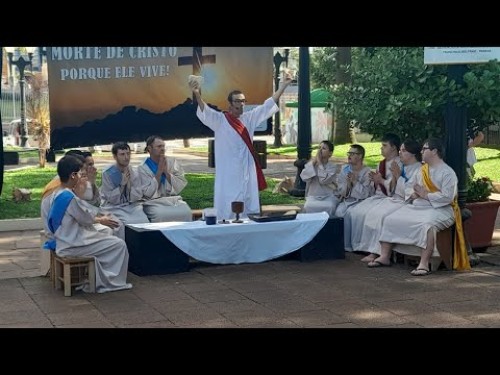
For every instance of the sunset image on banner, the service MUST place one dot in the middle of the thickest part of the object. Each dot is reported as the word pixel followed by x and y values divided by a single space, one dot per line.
pixel 124 93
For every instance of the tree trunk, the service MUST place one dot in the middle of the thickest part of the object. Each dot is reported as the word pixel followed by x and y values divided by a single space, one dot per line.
pixel 186 143
pixel 342 76
pixel 42 157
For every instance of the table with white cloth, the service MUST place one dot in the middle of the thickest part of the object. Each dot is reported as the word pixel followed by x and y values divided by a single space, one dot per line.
pixel 160 248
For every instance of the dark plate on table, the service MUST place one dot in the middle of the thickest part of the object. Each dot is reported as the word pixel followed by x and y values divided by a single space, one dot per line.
pixel 273 217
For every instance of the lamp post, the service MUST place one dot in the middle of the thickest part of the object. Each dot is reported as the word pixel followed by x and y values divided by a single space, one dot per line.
pixel 21 63
pixel 278 59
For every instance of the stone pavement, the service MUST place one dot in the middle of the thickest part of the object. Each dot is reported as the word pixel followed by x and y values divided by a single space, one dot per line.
pixel 275 294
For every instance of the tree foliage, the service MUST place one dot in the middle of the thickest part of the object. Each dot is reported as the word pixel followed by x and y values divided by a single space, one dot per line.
pixel 392 90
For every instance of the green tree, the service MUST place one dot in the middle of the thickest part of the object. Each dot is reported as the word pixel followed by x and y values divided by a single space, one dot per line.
pixel 392 90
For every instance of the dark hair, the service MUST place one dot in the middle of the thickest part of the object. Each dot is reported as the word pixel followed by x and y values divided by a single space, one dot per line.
pixel 68 165
pixel 86 154
pixel 360 149
pixel 150 140
pixel 74 152
pixel 230 96
pixel 119 146
pixel 436 144
pixel 329 144
pixel 413 147
pixel 393 140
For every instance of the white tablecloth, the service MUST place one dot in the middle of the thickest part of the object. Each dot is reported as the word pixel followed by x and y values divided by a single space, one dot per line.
pixel 250 242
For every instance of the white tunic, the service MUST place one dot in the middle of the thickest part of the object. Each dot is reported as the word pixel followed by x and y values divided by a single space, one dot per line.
pixel 367 233
pixel 125 201
pixel 361 189
pixel 409 225
pixel 321 187
pixel 355 216
pixel 166 204
pixel 76 236
pixel 235 175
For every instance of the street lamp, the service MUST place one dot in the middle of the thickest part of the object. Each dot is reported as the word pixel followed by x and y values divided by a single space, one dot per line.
pixel 278 59
pixel 21 64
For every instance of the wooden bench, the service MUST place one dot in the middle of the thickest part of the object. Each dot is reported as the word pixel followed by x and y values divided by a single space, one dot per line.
pixel 443 252
pixel 266 210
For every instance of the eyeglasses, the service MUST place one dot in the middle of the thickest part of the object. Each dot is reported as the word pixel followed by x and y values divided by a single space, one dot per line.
pixel 239 101
pixel 352 153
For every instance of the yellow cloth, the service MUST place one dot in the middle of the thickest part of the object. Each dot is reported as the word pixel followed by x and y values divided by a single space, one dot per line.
pixel 460 257
pixel 50 187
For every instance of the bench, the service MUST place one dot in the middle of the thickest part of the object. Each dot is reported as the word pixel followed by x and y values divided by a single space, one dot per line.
pixel 266 210
pixel 443 251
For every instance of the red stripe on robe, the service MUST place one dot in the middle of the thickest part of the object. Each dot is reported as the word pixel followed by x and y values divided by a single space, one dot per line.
pixel 243 132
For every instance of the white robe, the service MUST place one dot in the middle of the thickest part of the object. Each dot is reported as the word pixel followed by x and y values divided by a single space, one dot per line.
pixel 361 189
pixel 166 204
pixel 45 209
pixel 409 225
pixel 125 202
pixel 355 216
pixel 321 187
pixel 235 174
pixel 76 236
pixel 367 233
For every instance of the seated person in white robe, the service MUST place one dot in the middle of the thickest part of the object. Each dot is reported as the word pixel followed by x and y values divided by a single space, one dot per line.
pixel 432 207
pixel 104 221
pixel 383 185
pixel 70 222
pixel 320 176
pixel 92 194
pixel 353 182
pixel 166 204
pixel 411 156
pixel 123 189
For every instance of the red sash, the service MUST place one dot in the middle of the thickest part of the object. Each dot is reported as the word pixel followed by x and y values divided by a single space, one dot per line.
pixel 243 132
pixel 381 169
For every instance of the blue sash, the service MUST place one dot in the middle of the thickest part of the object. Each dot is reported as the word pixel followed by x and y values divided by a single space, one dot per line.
pixel 403 174
pixel 154 168
pixel 56 214
pixel 347 169
pixel 115 175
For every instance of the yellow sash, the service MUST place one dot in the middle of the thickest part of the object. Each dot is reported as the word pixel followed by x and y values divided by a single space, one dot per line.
pixel 460 257
pixel 51 186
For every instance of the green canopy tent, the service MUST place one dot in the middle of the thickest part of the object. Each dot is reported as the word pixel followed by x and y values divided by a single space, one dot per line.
pixel 321 121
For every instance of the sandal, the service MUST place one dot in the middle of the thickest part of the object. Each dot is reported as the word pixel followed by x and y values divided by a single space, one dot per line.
pixel 420 272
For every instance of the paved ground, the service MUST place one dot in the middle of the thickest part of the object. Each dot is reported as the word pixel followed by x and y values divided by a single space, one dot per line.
pixel 281 293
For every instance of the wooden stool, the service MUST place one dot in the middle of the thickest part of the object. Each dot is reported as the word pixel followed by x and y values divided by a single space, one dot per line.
pixel 72 271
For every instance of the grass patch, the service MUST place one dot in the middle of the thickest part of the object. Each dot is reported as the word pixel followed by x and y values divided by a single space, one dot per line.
pixel 198 192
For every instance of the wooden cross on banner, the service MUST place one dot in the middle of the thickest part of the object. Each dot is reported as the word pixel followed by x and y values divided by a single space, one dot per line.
pixel 197 61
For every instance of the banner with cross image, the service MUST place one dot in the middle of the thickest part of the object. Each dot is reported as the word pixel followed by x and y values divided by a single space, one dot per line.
pixel 100 95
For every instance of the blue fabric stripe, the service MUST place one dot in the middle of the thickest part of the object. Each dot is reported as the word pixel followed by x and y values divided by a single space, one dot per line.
pixel 154 168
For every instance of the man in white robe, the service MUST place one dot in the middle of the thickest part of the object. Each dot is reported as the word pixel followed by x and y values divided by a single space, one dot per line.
pixel 236 172
pixel 411 156
pixel 384 186
pixel 123 189
pixel 104 221
pixel 70 221
pixel 166 204
pixel 320 176
pixel 430 210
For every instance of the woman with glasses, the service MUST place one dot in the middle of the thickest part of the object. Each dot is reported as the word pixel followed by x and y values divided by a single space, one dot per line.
pixel 238 174
pixel 320 176
pixel 368 234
